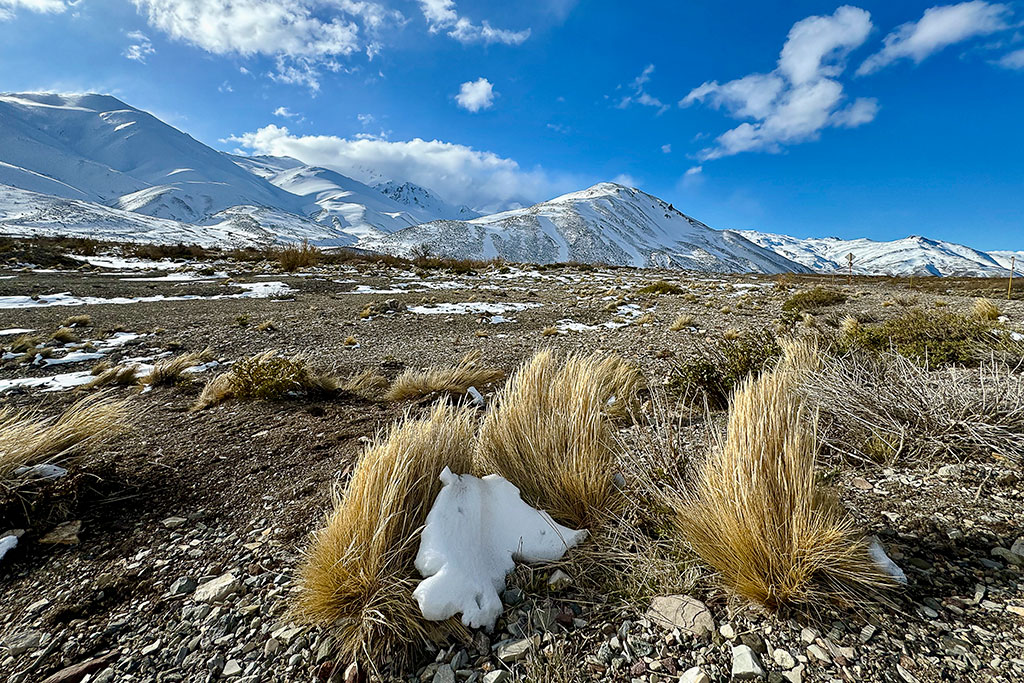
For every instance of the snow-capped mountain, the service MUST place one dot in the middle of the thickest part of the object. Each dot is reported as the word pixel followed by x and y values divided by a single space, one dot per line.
pixel 1004 258
pixel 908 256
pixel 606 223
pixel 27 213
pixel 422 200
pixel 97 148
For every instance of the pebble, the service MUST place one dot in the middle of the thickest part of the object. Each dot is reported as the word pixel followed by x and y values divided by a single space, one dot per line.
pixel 515 650
pixel 745 664
pixel 683 612
pixel 694 675
pixel 217 589
pixel 784 659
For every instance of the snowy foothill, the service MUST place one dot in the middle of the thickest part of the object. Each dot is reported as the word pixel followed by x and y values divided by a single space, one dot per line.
pixel 251 290
pixel 476 530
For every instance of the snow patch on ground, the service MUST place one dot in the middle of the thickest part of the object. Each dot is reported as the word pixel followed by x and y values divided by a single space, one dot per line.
pixel 475 532
pixel 252 290
pixel 7 543
pixel 474 307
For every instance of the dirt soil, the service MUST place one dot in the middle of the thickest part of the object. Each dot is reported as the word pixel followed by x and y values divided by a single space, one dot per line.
pixel 186 497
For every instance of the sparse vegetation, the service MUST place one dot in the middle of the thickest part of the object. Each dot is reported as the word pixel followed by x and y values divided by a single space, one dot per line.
pixel 984 309
pixel 756 514
pixel 28 438
pixel 661 287
pixel 719 366
pixel 268 377
pixel 117 376
pixel 358 575
pixel 368 384
pixel 936 338
pixel 170 371
pixel 452 379
pixel 682 322
pixel 64 335
pixel 813 300
pixel 297 256
pixel 83 320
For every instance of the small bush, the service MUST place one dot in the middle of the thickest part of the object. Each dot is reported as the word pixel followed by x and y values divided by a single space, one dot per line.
pixel 719 366
pixel 813 300
pixel 452 379
pixel 661 287
pixel 65 335
pixel 358 574
pixel 984 309
pixel 935 338
pixel 117 376
pixel 549 331
pixel 368 384
pixel 293 257
pixel 268 377
pixel 681 323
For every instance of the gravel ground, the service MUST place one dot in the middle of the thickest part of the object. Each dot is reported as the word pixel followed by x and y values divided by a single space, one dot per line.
pixel 176 545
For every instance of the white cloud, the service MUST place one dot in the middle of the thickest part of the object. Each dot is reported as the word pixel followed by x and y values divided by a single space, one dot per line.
pixel 140 48
pixel 694 170
pixel 9 7
pixel 626 179
pixel 1013 60
pixel 225 87
pixel 285 113
pixel 460 174
pixel 441 15
pixel 938 28
pixel 639 93
pixel 666 149
pixel 365 119
pixel 304 36
pixel 476 95
pixel 800 97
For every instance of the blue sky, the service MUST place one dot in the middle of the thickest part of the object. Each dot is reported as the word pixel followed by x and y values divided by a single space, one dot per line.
pixel 879 119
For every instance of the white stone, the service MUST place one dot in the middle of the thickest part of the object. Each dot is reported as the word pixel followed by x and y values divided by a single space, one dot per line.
pixel 745 664
pixel 217 589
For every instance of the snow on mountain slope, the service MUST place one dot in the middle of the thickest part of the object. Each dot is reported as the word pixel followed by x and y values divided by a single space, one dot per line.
pixel 607 223
pixel 27 213
pixel 99 149
pixel 422 201
pixel 350 206
pixel 1003 259
pixel 908 256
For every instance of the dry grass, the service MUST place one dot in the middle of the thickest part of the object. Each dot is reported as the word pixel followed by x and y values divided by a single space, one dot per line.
pixel 549 331
pixel 65 335
pixel 984 309
pixel 453 379
pixel 25 343
pixel 268 377
pixel 368 384
pixel 169 371
pixel 27 438
pixel 549 435
pixel 117 376
pixel 755 513
pixel 83 320
pixel 879 408
pixel 296 256
pixel 358 574
pixel 266 326
pixel 682 322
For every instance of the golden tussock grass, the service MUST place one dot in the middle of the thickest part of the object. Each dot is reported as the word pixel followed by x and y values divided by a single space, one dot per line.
pixel 170 370
pixel 358 573
pixel 550 331
pixel 549 435
pixel 453 379
pixel 118 376
pixel 27 438
pixel 756 515
pixel 64 335
pixel 368 384
pixel 83 320
pixel 681 322
pixel 268 377
pixel 984 309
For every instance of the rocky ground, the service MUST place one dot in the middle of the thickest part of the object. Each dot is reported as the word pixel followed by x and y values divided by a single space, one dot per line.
pixel 170 555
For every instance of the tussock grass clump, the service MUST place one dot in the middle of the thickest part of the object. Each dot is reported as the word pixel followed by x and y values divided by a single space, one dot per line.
pixel 64 335
pixel 117 376
pixel 27 438
pixel 549 331
pixel 368 384
pixel 26 342
pixel 169 371
pixel 984 309
pixel 682 322
pixel 268 377
pixel 550 436
pixel 358 574
pixel 453 379
pixel 755 513
pixel 719 366
pixel 813 299
pixel 83 320
pixel 935 338
pixel 296 256
pixel 661 287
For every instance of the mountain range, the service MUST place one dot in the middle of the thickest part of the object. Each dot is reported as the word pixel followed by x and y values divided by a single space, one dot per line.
pixel 91 165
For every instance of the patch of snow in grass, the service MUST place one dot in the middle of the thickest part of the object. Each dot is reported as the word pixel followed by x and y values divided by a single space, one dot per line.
pixel 61 382
pixel 179 277
pixel 73 357
pixel 7 543
pixel 41 471
pixel 475 532
pixel 471 307
pixel 883 561
pixel 252 290
pixel 118 263
pixel 15 330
